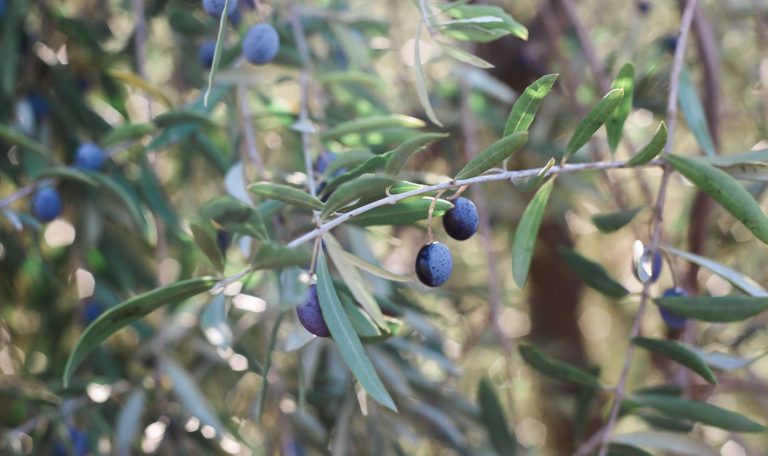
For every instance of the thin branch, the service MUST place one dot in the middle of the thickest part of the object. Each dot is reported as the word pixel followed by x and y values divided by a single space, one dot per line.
pixel 685 25
pixel 501 176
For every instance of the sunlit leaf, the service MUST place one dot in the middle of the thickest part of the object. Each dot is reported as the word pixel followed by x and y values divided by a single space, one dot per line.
pixel 421 84
pixel 493 156
pixel 366 186
pixel 405 212
pixel 463 56
pixel 594 119
pixel 527 104
pixel 398 157
pixel 527 232
pixel 614 126
pixel 653 148
pixel 287 194
pixel 725 190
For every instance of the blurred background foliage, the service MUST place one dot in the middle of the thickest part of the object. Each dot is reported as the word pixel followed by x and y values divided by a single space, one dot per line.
pixel 190 378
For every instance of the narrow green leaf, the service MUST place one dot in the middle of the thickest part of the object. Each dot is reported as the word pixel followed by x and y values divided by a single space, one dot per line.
pixel 345 78
pixel 725 190
pixel 371 123
pixel 494 419
pixel 421 84
pixel 218 51
pixel 267 365
pixel 129 422
pixel 493 156
pixel 653 148
pixel 759 156
pixel 131 203
pixel 349 344
pixel 693 112
pixel 494 28
pixel 274 256
pixel 614 126
pixel 372 165
pixel 354 280
pixel 361 322
pixel 183 116
pixel 214 324
pixel 667 441
pixel 594 119
pixel 725 362
pixel 526 233
pixel 129 311
pixel 67 173
pixel 365 186
pixel 677 352
pixel 463 56
pixel 399 156
pixel 737 279
pixel 593 274
pixel 715 309
pixel 205 238
pixel 529 183
pixel 191 399
pixel 557 370
pixel 286 194
pixel 614 221
pixel 700 412
pixel 374 269
pixel 405 212
pixel 403 187
pixel 527 104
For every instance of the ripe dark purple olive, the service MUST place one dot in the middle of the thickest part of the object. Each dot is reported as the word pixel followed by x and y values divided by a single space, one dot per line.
pixel 434 264
pixel 46 204
pixel 461 221
pixel 310 315
pixel 90 157
pixel 261 44
pixel 671 319
pixel 205 53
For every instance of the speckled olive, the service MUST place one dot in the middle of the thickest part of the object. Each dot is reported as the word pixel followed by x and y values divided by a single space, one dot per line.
pixel 461 222
pixel 434 264
pixel 261 44
pixel 46 204
pixel 90 157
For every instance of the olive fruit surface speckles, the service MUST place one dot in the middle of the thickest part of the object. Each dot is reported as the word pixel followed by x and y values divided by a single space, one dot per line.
pixel 434 264
pixel 672 320
pixel 461 222
pixel 46 204
pixel 310 315
pixel 261 44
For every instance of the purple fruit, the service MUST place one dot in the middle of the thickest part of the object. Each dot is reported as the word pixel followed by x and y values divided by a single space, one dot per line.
pixel 671 319
pixel 434 264
pixel 205 53
pixel 261 44
pixel 46 204
pixel 92 309
pixel 324 161
pixel 461 222
pixel 90 157
pixel 216 7
pixel 310 315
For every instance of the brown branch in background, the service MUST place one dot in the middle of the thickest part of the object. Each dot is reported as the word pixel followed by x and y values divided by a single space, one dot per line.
pixel 677 66
pixel 250 147
pixel 469 132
